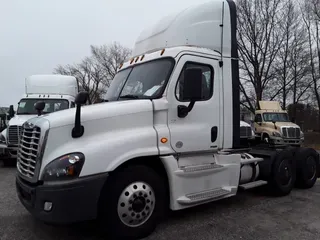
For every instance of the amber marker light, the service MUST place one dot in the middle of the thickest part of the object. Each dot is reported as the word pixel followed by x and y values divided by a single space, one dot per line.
pixel 164 140
pixel 162 52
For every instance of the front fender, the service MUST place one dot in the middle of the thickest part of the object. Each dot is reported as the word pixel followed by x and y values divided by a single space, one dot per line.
pixel 106 143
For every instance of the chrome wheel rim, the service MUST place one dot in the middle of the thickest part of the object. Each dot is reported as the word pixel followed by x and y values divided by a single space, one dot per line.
pixel 136 204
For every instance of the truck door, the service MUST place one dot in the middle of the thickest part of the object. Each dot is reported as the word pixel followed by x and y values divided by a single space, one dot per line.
pixel 198 133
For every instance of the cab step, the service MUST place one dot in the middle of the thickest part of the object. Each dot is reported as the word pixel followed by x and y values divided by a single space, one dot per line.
pixel 250 160
pixel 194 198
pixel 250 185
pixel 201 167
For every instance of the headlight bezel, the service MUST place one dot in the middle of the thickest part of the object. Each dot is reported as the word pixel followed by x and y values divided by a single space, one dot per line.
pixel 301 134
pixel 2 138
pixel 276 134
pixel 64 168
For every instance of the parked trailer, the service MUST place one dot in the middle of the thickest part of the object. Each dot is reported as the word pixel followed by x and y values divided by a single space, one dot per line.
pixel 167 137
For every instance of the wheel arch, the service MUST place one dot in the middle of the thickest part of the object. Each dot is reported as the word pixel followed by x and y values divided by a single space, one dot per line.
pixel 153 162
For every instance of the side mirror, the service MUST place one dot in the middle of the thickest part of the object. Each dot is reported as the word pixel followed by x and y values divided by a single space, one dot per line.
pixel 39 106
pixel 78 129
pixel 192 84
pixel 81 98
pixel 11 111
pixel 191 91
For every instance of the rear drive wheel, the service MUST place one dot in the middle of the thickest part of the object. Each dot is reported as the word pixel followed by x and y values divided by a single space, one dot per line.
pixel 283 175
pixel 307 167
pixel 132 203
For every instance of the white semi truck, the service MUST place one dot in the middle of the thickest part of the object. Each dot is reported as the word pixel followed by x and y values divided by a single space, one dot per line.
pixel 56 91
pixel 168 136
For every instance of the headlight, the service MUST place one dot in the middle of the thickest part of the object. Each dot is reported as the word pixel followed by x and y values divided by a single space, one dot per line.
pixel 252 133
pixel 301 134
pixel 65 167
pixel 2 138
pixel 276 134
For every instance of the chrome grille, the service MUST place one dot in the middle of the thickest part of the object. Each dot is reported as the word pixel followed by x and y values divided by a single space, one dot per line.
pixel 28 150
pixel 291 132
pixel 14 133
pixel 245 132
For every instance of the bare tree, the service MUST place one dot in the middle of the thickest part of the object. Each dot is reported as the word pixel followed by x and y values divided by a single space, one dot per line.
pixel 259 41
pixel 292 63
pixel 95 73
pixel 109 57
pixel 310 15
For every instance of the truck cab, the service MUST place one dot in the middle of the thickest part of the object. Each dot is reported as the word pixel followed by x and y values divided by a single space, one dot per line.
pixel 272 125
pixel 56 91
pixel 168 135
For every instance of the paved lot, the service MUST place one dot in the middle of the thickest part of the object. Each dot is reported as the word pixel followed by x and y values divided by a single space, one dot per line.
pixel 247 216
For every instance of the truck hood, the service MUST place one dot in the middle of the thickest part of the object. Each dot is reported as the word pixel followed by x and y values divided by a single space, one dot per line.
pixel 98 111
pixel 281 124
pixel 285 124
pixel 244 124
pixel 20 119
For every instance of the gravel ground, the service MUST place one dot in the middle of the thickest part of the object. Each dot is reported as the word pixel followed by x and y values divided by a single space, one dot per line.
pixel 249 215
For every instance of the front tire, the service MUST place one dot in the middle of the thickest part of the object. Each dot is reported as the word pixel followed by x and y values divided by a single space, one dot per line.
pixel 132 203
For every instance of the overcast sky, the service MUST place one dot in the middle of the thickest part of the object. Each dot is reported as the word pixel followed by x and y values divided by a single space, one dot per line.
pixel 37 35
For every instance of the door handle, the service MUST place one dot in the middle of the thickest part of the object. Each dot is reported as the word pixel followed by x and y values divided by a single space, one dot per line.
pixel 214 133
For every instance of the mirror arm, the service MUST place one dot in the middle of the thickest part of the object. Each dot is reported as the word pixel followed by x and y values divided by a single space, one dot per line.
pixel 78 129
pixel 183 110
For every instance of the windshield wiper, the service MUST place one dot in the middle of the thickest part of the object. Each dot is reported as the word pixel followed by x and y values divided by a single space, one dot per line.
pixel 130 96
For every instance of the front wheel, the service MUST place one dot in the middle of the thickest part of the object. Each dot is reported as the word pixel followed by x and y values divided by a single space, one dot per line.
pixel 132 203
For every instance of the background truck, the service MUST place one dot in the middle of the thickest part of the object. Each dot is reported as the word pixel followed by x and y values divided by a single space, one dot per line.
pixel 272 125
pixel 56 91
pixel 167 137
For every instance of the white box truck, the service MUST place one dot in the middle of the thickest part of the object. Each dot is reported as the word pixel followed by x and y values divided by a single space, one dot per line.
pixel 167 137
pixel 56 91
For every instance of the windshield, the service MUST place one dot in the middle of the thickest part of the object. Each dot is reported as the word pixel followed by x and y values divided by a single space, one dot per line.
pixel 142 81
pixel 278 117
pixel 26 105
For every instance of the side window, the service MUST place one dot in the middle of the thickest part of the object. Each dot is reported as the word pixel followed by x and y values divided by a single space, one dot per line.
pixel 258 118
pixel 207 81
pixel 72 105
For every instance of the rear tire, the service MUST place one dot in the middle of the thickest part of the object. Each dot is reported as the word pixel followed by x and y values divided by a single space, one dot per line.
pixel 307 167
pixel 132 203
pixel 283 174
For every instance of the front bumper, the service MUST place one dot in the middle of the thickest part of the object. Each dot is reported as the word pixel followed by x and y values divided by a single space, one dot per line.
pixel 12 151
pixel 286 141
pixel 72 201
pixel 3 148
